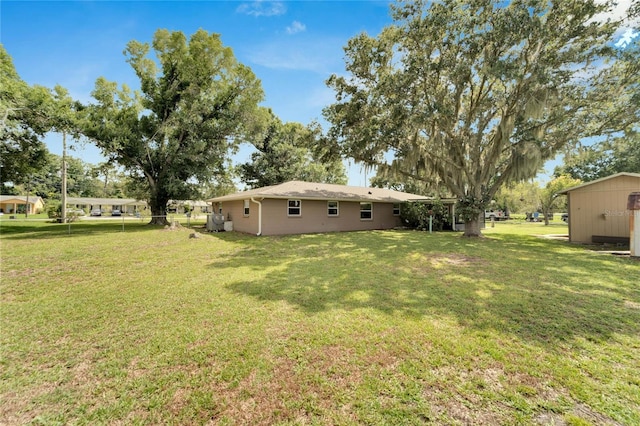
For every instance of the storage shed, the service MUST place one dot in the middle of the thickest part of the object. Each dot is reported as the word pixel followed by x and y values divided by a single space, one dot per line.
pixel 598 209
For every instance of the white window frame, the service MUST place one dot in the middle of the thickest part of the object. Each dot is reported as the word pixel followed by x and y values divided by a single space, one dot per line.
pixel 370 210
pixel 396 209
pixel 336 208
pixel 294 207
pixel 247 208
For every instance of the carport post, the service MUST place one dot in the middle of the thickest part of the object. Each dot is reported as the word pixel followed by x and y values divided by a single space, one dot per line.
pixel 633 204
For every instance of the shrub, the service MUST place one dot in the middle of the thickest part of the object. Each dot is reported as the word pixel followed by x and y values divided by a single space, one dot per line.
pixel 54 209
pixel 416 215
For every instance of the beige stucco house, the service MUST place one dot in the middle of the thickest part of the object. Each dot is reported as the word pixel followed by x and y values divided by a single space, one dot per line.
pixel 15 204
pixel 106 205
pixel 303 207
pixel 598 209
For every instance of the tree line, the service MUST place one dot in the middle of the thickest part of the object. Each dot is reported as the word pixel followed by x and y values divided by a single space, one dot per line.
pixel 463 98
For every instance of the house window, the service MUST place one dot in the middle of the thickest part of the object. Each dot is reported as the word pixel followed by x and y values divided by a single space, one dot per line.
pixel 366 211
pixel 332 208
pixel 294 208
pixel 246 207
pixel 396 209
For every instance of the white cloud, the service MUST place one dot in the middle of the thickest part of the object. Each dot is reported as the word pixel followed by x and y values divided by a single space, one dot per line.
pixel 262 8
pixel 296 27
pixel 627 38
pixel 618 12
pixel 322 56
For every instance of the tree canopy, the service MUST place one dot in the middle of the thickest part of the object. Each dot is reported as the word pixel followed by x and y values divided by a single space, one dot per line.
pixel 621 154
pixel 471 95
pixel 24 120
pixel 291 151
pixel 550 199
pixel 619 151
pixel 196 103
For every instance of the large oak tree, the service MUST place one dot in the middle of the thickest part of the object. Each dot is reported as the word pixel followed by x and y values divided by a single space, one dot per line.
pixel 291 151
pixel 24 121
pixel 196 103
pixel 620 151
pixel 473 94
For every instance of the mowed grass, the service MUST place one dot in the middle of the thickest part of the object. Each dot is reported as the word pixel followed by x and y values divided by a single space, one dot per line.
pixel 149 326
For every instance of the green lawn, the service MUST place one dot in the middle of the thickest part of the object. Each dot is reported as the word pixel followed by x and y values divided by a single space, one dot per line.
pixel 149 326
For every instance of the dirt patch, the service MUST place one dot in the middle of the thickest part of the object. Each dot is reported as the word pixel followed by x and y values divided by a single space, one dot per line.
pixel 260 400
pixel 294 391
pixel 631 305
pixel 428 263
pixel 19 409
pixel 585 412
pixel 550 419
pixel 179 400
pixel 453 259
pixel 465 406
pixel 580 411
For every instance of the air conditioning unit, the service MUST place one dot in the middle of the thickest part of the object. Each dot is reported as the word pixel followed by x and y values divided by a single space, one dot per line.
pixel 215 222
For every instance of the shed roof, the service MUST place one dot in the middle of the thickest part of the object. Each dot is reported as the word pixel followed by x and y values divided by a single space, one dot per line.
pixel 566 191
pixel 322 191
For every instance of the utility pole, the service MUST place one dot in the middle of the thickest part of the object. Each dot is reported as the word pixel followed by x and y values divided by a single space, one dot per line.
pixel 63 210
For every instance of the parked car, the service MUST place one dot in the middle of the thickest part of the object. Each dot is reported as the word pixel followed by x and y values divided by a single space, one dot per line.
pixel 565 217
pixel 496 215
pixel 96 212
pixel 116 212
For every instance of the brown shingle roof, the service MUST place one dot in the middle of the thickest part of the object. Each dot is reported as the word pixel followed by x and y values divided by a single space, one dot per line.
pixel 322 191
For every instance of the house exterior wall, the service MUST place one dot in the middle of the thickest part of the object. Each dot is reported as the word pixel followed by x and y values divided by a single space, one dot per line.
pixel 12 205
pixel 313 217
pixel 234 210
pixel 601 209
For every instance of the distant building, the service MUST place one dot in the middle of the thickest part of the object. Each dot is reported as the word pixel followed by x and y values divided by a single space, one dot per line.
pixel 107 205
pixel 21 204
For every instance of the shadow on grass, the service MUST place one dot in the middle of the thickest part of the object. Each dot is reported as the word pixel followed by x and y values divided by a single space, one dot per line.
pixel 21 230
pixel 539 290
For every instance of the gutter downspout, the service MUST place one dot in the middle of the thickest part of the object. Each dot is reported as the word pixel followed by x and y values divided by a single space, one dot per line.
pixel 259 215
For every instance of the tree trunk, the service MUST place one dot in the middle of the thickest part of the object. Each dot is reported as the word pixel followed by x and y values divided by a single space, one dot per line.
pixel 472 228
pixel 156 219
pixel 158 205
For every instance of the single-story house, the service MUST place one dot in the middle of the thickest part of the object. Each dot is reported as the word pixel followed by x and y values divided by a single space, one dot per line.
pixel 21 204
pixel 305 207
pixel 106 205
pixel 194 206
pixel 598 209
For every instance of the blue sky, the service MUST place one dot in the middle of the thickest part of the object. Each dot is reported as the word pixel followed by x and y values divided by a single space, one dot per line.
pixel 292 46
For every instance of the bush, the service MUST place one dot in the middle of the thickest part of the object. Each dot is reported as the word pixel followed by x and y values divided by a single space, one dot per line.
pixel 54 209
pixel 416 215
